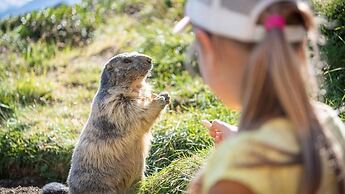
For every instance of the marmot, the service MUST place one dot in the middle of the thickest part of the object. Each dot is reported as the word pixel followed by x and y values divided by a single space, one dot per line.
pixel 109 157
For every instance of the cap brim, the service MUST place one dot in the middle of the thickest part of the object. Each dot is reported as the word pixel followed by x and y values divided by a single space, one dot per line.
pixel 181 25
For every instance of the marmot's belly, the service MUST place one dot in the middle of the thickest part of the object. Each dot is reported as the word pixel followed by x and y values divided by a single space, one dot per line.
pixel 116 156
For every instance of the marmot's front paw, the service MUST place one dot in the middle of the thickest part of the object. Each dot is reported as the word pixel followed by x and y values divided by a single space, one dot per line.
pixel 162 98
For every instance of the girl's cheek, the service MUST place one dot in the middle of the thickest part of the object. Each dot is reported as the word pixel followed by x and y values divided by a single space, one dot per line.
pixel 203 69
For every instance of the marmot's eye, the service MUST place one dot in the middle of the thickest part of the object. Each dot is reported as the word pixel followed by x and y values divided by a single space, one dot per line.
pixel 109 68
pixel 126 60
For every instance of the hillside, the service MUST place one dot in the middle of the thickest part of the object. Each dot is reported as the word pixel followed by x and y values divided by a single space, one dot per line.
pixel 50 65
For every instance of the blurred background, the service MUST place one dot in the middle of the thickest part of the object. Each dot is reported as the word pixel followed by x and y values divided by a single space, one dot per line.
pixel 18 7
pixel 51 56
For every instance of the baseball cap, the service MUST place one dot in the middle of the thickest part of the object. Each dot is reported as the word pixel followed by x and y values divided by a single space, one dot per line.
pixel 237 19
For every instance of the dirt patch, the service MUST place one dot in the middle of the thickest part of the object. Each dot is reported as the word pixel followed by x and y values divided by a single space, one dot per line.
pixel 20 190
pixel 23 182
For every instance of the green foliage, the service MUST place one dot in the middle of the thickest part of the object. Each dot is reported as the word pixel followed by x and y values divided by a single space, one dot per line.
pixel 182 137
pixel 175 177
pixel 49 72
pixel 140 9
pixel 29 41
pixel 38 155
pixel 181 134
pixel 22 91
pixel 5 111
pixel 38 35
pixel 120 7
pixel 36 54
pixel 334 49
pixel 168 51
pixel 62 25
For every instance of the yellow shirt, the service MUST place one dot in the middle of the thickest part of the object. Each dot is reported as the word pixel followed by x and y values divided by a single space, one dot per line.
pixel 273 141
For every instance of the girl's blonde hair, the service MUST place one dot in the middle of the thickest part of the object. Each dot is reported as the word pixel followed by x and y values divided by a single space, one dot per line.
pixel 274 85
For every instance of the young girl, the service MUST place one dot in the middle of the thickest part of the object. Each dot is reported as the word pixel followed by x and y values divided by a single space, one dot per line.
pixel 252 54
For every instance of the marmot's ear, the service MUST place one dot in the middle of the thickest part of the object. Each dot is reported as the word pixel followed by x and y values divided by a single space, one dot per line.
pixel 105 78
pixel 108 66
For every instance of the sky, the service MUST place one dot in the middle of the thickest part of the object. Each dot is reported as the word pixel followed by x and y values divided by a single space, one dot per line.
pixel 15 7
pixel 5 4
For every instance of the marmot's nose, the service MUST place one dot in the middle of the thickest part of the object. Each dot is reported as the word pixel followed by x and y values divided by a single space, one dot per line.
pixel 146 59
pixel 149 61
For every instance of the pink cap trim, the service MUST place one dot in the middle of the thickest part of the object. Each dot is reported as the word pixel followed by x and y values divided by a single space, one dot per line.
pixel 274 21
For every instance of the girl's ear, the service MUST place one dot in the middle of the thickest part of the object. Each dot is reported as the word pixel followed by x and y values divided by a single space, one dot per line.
pixel 206 47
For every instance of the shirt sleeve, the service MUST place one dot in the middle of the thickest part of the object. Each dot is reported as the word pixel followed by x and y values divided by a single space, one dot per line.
pixel 334 128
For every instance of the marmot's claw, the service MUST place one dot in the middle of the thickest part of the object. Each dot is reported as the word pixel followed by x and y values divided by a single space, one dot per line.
pixel 163 98
pixel 166 96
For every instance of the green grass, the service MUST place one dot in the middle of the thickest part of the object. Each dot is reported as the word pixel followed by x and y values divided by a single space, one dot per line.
pixel 46 91
pixel 334 49
pixel 22 91
pixel 175 177
pixel 49 92
pixel 39 155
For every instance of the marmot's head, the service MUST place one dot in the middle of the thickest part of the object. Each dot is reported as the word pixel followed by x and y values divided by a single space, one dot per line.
pixel 124 70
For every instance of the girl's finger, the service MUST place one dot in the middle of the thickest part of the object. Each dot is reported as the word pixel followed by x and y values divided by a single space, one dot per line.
pixel 223 126
pixel 218 138
pixel 208 125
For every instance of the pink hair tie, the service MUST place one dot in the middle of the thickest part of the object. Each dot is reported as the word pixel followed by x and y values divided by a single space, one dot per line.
pixel 274 21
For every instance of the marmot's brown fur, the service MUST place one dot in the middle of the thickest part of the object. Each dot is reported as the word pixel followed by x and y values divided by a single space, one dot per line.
pixel 110 154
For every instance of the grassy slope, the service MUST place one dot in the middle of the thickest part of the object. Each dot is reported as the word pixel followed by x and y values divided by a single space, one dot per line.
pixel 48 108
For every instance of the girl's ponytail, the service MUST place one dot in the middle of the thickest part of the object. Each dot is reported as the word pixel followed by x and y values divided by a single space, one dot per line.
pixel 273 84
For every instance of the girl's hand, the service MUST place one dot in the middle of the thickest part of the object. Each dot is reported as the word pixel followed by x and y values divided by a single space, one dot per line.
pixel 220 130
